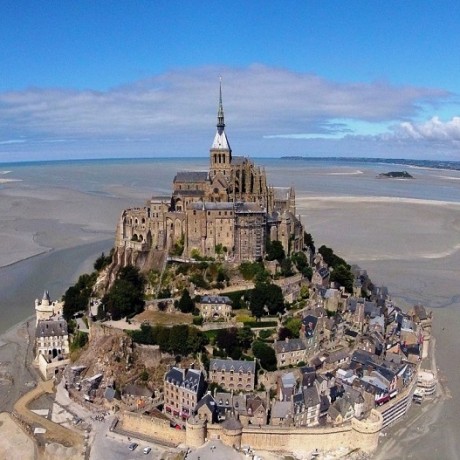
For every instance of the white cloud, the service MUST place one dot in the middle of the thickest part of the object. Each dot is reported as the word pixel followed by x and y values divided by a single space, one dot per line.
pixel 175 111
pixel 432 130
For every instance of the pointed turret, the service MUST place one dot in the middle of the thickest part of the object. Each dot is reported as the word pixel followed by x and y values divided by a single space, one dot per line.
pixel 220 153
pixel 220 112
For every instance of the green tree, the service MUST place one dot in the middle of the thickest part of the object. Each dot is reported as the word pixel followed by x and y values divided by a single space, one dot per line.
pixel 265 354
pixel 245 336
pixel 186 304
pixel 178 337
pixel 342 275
pixel 275 251
pixel 126 297
pixel 286 267
pixel 308 241
pixel 102 261
pixel 226 339
pixel 330 258
pixel 80 339
pixel 76 298
pixel 293 325
pixel 266 297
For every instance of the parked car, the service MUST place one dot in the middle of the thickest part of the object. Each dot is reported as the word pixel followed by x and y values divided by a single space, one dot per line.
pixel 147 450
pixel 132 446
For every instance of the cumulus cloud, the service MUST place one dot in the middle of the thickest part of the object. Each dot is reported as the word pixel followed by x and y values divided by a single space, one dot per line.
pixel 176 109
pixel 432 130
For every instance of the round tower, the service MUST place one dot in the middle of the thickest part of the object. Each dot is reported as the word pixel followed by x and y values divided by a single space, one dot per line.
pixel 232 430
pixel 195 433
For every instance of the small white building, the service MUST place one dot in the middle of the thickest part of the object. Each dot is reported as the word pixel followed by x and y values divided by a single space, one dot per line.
pixel 46 310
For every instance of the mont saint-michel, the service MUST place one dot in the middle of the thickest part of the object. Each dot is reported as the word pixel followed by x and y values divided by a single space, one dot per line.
pixel 229 208
pixel 216 328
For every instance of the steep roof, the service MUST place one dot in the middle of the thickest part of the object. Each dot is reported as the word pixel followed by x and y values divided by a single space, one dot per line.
pixel 222 299
pixel 289 345
pixel 51 328
pixel 229 364
pixel 191 176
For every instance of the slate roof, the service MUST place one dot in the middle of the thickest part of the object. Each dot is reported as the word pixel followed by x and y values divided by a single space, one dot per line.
pixel 311 396
pixel 209 401
pixel 216 299
pixel 191 176
pixel 190 379
pixel 212 206
pixel 287 346
pixel 281 409
pixel 246 207
pixel 288 380
pixel 309 322
pixel 337 356
pixel 363 357
pixel 229 364
pixel 51 328
pixel 198 193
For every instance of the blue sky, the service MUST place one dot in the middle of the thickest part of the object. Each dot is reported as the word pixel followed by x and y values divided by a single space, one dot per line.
pixel 91 79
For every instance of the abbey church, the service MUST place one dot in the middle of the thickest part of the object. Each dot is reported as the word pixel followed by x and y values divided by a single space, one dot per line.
pixel 229 210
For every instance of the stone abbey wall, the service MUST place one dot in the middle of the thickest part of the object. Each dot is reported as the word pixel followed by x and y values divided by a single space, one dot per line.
pixel 359 434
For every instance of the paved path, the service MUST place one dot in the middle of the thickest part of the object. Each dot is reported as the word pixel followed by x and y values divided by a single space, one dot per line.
pixel 54 432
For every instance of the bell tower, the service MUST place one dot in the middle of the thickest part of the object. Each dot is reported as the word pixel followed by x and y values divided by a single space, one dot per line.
pixel 220 153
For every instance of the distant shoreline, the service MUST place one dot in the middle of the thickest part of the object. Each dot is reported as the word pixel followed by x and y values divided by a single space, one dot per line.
pixel 411 162
pixel 426 164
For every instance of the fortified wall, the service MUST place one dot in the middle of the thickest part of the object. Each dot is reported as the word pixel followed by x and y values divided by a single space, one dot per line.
pixel 359 434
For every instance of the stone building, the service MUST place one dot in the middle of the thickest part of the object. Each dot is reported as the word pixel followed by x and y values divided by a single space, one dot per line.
pixel 228 209
pixel 52 346
pixel 45 309
pixel 52 339
pixel 233 374
pixel 183 388
pixel 290 352
pixel 215 307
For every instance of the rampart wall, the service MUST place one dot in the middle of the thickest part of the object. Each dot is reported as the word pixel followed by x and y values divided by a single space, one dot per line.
pixel 151 427
pixel 359 434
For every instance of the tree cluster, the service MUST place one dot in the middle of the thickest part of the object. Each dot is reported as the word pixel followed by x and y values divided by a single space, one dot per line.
pixel 76 298
pixel 265 354
pixel 102 261
pixel 341 271
pixel 126 296
pixel 234 341
pixel 266 298
pixel 179 339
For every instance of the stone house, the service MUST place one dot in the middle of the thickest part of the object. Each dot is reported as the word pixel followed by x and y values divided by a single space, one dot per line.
pixel 307 407
pixel 233 374
pixel 215 307
pixel 286 385
pixel 281 413
pixel 290 352
pixel 52 339
pixel 206 409
pixel 309 334
pixel 183 388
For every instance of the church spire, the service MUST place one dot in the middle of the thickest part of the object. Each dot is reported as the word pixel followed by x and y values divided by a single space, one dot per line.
pixel 220 111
